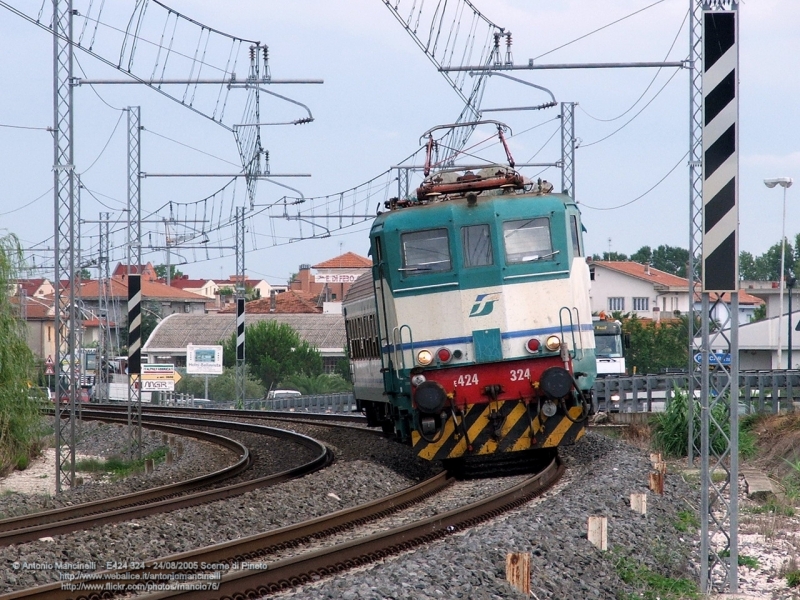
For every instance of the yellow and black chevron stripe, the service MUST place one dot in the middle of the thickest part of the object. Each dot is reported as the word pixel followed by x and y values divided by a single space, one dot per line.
pixel 499 427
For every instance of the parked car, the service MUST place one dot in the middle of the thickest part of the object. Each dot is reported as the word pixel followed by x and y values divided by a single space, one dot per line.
pixel 277 394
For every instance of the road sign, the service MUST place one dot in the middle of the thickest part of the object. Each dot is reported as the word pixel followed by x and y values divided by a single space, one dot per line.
pixel 718 358
pixel 49 367
pixel 159 377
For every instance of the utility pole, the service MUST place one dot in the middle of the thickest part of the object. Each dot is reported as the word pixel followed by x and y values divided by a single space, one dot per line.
pixel 64 242
pixel 134 282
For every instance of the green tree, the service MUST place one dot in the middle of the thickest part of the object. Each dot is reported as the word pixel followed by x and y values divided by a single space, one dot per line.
pixel 19 409
pixel 611 256
pixel 760 313
pixel 316 384
pixel 343 366
pixel 656 345
pixel 274 352
pixel 161 272
pixel 767 266
pixel 643 255
pixel 221 388
pixel 151 317
pixel 670 259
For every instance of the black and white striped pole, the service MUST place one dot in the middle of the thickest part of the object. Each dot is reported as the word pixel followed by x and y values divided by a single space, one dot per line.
pixel 134 365
pixel 720 276
pixel 240 364
pixel 241 369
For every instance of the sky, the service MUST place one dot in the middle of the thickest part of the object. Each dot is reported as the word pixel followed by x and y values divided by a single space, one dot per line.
pixel 380 94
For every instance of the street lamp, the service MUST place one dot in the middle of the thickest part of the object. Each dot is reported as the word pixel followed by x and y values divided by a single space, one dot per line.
pixel 790 282
pixel 784 182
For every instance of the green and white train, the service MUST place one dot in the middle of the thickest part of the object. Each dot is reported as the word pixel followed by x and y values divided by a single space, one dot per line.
pixel 473 335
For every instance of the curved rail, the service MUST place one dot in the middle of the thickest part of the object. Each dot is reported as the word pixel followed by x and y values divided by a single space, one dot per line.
pixel 164 498
pixel 230 412
pixel 275 576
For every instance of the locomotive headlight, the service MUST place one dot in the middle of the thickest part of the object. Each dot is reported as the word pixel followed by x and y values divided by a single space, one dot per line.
pixel 552 343
pixel 425 357
pixel 417 380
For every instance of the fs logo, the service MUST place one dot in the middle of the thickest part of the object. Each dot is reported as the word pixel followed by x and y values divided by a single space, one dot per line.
pixel 484 304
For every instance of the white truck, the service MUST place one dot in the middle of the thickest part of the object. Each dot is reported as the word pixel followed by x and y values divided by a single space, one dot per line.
pixel 609 349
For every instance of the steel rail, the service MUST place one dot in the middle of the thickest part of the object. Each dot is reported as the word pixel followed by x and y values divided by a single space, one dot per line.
pixel 259 414
pixel 32 527
pixel 305 568
pixel 43 518
pixel 249 547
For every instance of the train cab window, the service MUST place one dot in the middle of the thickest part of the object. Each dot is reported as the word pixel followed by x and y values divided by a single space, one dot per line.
pixel 576 235
pixel 425 251
pixel 528 240
pixel 477 245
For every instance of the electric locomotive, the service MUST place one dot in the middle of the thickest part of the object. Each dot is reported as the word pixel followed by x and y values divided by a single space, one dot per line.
pixel 472 337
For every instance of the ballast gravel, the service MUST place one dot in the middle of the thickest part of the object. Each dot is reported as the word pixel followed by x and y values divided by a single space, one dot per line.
pixel 602 473
pixel 106 441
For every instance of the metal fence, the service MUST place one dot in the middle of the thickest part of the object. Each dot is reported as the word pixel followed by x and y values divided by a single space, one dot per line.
pixel 759 391
pixel 317 403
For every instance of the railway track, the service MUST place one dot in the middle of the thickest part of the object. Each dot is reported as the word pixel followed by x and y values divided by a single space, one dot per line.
pixel 164 498
pixel 354 419
pixel 258 565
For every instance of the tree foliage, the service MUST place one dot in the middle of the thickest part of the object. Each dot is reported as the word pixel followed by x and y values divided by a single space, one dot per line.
pixel 274 352
pixel 610 256
pixel 656 345
pixel 316 384
pixel 161 272
pixel 670 259
pixel 221 388
pixel 19 408
pixel 767 267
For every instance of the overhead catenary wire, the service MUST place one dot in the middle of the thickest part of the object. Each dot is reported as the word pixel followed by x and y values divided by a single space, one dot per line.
pixel 659 182
pixel 640 111
pixel 606 26
pixel 649 85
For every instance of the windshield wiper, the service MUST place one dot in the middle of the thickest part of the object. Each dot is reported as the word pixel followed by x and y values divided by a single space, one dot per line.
pixel 539 256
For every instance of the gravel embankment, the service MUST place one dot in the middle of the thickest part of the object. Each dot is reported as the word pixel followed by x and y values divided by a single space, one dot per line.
pixel 106 441
pixel 602 473
pixel 367 467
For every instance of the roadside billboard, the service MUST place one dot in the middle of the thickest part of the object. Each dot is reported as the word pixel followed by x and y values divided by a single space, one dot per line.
pixel 203 360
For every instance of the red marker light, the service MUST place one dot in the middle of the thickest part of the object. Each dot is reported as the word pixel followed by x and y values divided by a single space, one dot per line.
pixel 532 345
pixel 443 354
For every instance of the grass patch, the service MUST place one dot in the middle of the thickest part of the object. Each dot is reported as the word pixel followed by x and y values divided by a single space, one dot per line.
pixel 651 585
pixel 793 579
pixel 670 429
pixel 744 561
pixel 687 521
pixel 118 467
pixel 772 507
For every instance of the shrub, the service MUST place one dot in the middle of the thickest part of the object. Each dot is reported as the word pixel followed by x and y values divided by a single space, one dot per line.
pixel 671 429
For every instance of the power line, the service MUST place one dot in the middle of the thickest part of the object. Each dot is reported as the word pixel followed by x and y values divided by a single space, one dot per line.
pixel 641 196
pixel 598 29
pixel 649 85
pixel 624 125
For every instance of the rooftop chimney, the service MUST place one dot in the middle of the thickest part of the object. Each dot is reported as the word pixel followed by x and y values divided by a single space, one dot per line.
pixel 647 268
